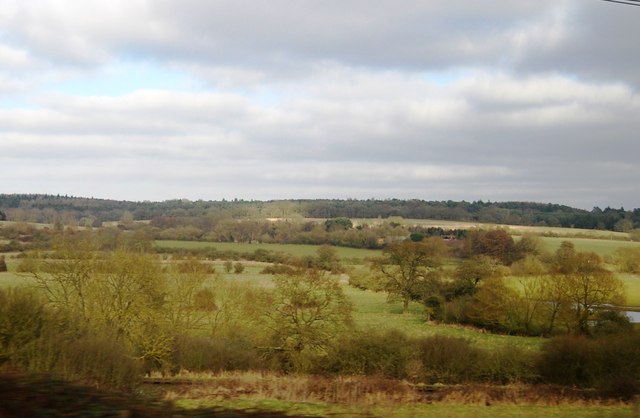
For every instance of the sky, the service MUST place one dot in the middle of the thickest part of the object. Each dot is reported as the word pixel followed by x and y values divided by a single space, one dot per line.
pixel 293 99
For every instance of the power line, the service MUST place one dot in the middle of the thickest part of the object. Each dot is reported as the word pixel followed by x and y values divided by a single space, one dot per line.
pixel 627 2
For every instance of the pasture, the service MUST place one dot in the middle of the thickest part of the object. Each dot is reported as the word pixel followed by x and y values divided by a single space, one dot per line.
pixel 372 312
pixel 602 247
pixel 297 250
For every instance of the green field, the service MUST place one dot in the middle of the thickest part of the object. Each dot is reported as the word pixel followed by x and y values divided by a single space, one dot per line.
pixel 603 247
pixel 373 313
pixel 298 250
pixel 11 278
pixel 632 287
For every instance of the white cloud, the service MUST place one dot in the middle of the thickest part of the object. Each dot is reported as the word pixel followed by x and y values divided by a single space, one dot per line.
pixel 524 100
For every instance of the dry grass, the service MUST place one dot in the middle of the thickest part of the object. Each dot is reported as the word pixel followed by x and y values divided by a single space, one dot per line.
pixel 363 390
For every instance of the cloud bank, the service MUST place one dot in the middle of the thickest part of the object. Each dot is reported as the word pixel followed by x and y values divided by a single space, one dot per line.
pixel 297 99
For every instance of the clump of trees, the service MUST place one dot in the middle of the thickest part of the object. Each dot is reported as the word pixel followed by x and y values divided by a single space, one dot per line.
pixel 628 260
pixel 123 312
pixel 568 291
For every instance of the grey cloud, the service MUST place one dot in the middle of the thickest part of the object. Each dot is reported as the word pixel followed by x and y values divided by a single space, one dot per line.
pixel 279 38
pixel 329 99
pixel 276 34
pixel 599 42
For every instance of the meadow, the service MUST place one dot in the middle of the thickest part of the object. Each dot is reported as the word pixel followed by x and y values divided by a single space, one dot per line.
pixel 602 247
pixel 297 250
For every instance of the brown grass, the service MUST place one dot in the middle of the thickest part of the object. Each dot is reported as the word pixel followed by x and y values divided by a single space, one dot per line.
pixel 363 390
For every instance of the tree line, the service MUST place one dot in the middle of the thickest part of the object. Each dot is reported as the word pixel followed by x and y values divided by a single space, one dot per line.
pixel 93 212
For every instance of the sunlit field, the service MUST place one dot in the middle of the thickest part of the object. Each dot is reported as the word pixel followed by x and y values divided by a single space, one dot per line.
pixel 603 247
pixel 298 250
pixel 372 312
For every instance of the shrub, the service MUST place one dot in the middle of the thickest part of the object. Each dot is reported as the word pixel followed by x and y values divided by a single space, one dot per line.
pixel 35 339
pixel 565 360
pixel 100 359
pixel 628 260
pixel 238 268
pixel 21 321
pixel 278 269
pixel 508 364
pixel 615 365
pixel 371 354
pixel 198 354
pixel 448 360
pixel 3 264
pixel 610 322
pixel 611 364
pixel 366 280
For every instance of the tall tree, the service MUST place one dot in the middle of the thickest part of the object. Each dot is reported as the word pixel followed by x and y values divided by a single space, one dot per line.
pixel 495 243
pixel 307 310
pixel 411 269
pixel 583 285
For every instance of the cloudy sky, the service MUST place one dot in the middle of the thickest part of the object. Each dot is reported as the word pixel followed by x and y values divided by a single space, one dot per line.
pixel 210 99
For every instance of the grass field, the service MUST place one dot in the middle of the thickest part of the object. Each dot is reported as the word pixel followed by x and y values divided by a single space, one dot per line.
pixel 603 247
pixel 373 313
pixel 632 287
pixel 298 250
pixel 11 278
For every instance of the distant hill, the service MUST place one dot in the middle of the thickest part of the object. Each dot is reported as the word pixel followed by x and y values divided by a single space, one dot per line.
pixel 89 211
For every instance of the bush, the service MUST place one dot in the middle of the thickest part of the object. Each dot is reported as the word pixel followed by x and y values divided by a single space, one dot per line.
pixel 3 264
pixel 366 280
pixel 610 322
pixel 21 321
pixel 238 268
pixel 508 364
pixel 565 360
pixel 199 354
pixel 279 269
pixel 100 360
pixel 371 354
pixel 448 360
pixel 615 365
pixel 628 260
pixel 611 364
pixel 37 340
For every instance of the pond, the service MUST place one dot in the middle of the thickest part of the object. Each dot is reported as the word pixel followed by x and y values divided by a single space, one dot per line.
pixel 634 317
